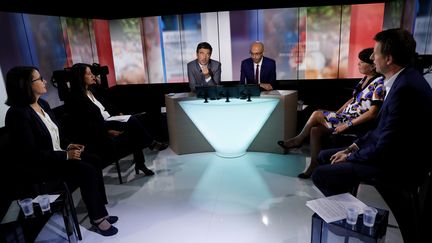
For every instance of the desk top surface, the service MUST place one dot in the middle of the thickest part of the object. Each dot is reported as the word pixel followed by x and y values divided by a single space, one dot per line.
pixel 191 95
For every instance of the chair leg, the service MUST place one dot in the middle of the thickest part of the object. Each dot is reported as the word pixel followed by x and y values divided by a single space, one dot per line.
pixel 355 190
pixel 119 172
pixel 73 210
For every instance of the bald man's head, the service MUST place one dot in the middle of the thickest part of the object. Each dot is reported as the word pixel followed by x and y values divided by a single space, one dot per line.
pixel 257 51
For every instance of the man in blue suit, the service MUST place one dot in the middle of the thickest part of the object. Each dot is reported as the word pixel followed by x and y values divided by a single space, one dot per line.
pixel 392 152
pixel 258 69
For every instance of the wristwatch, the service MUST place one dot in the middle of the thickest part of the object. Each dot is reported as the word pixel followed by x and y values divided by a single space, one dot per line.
pixel 350 124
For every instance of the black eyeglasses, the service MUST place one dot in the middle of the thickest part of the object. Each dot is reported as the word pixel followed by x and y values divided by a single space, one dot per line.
pixel 40 78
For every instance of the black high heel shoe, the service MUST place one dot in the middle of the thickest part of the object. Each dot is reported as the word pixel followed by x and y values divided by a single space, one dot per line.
pixel 144 169
pixel 282 144
pixel 304 175
pixel 108 232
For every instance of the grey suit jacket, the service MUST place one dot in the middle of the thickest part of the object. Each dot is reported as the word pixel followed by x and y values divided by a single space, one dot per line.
pixel 196 78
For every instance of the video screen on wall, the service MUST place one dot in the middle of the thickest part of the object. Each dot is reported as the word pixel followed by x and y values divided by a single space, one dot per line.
pixel 307 43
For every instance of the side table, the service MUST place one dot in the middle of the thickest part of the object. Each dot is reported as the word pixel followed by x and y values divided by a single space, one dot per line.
pixel 340 231
pixel 15 227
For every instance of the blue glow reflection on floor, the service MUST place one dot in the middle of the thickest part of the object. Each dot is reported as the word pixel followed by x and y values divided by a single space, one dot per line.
pixel 229 127
pixel 236 185
pixel 231 186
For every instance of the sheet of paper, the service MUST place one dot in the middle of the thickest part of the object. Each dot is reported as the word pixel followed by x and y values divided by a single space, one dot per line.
pixel 122 118
pixel 333 208
pixel 52 198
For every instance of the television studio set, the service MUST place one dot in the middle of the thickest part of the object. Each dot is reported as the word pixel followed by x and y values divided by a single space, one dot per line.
pixel 204 122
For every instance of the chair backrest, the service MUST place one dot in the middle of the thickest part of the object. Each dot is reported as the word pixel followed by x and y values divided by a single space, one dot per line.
pixel 425 197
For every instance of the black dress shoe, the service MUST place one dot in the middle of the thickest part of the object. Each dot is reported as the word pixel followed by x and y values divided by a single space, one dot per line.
pixel 112 219
pixel 108 232
pixel 304 175
pixel 144 169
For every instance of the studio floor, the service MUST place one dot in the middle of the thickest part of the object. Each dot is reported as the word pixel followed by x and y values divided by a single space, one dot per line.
pixel 203 198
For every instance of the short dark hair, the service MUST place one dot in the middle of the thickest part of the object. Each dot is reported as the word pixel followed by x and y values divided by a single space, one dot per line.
pixel 365 55
pixel 204 45
pixel 18 86
pixel 398 43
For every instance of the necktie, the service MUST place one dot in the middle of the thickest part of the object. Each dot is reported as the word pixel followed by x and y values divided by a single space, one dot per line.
pixel 257 74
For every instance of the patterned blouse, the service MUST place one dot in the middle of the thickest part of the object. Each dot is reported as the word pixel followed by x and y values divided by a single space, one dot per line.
pixel 373 94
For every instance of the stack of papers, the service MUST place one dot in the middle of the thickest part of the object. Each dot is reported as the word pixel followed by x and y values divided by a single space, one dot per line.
pixel 333 208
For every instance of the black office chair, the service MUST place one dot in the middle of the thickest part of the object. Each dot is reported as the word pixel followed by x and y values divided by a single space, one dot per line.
pixel 19 189
pixel 61 188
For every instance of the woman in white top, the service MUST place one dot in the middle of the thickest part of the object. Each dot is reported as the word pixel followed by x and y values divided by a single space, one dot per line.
pixel 41 153
pixel 110 139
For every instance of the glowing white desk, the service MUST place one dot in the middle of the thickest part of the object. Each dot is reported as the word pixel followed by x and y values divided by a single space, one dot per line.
pixel 185 137
pixel 229 127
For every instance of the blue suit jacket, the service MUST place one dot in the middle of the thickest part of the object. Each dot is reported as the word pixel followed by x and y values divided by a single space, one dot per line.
pixel 267 71
pixel 403 121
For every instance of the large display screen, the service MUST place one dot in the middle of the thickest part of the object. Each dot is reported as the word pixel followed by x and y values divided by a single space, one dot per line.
pixel 307 43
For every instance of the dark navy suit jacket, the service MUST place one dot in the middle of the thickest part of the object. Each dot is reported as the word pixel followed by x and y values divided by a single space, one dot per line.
pixel 91 129
pixel 267 71
pixel 403 122
pixel 37 161
pixel 30 137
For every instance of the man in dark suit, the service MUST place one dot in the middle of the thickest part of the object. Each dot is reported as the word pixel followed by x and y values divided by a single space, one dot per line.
pixel 203 71
pixel 258 69
pixel 393 151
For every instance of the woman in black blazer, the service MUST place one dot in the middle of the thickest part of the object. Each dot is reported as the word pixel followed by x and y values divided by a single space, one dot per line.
pixel 35 142
pixel 110 139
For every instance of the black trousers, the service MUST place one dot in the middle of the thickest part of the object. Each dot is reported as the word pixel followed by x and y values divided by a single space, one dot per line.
pixel 334 179
pixel 76 173
pixel 134 138
pixel 89 179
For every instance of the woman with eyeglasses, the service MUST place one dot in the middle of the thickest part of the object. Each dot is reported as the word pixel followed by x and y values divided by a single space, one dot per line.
pixel 43 154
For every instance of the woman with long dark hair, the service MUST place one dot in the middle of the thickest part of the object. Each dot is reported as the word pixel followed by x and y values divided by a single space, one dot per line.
pixel 41 152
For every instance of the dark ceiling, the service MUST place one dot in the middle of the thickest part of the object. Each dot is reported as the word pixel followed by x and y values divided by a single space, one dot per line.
pixel 111 9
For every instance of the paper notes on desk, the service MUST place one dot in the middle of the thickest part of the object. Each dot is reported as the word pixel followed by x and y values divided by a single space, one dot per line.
pixel 52 198
pixel 333 208
pixel 122 118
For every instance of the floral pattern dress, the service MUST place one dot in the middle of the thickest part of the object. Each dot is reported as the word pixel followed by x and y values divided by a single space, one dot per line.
pixel 373 94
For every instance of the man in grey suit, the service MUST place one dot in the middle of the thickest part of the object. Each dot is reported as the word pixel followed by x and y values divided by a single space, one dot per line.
pixel 203 71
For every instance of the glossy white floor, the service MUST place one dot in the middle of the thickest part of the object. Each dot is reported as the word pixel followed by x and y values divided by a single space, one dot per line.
pixel 202 198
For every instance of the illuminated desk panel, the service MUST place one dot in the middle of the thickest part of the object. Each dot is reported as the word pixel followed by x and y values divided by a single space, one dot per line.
pixel 185 138
pixel 229 127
